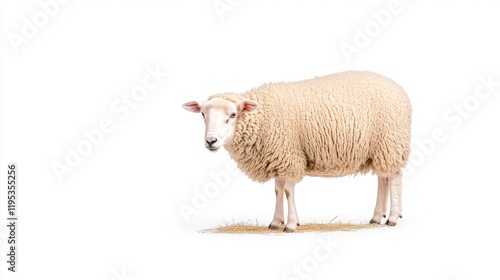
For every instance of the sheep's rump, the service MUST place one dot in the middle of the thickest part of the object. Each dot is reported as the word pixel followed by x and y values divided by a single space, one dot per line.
pixel 330 126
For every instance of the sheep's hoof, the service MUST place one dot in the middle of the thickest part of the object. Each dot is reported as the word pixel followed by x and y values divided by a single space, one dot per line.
pixel 275 224
pixel 291 227
pixel 391 224
pixel 273 227
pixel 377 218
pixel 289 230
pixel 392 221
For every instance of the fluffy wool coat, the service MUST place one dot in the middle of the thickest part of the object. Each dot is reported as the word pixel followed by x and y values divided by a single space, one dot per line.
pixel 330 126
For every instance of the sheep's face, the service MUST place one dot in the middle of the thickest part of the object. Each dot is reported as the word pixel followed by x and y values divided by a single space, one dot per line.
pixel 220 118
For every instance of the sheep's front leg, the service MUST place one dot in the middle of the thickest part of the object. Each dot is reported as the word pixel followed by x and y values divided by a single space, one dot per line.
pixel 293 218
pixel 279 189
pixel 382 197
pixel 395 185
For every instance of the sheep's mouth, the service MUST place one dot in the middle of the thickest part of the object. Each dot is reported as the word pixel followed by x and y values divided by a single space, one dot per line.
pixel 213 149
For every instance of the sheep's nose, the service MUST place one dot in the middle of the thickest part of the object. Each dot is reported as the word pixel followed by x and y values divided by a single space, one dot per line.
pixel 211 141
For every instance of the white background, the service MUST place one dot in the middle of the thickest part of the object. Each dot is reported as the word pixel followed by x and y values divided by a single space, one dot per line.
pixel 116 215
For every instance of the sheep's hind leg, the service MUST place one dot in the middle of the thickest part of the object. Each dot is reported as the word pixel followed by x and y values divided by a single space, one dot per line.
pixel 395 185
pixel 293 218
pixel 382 197
pixel 278 220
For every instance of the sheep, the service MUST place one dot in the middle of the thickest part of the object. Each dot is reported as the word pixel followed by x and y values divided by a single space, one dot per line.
pixel 336 125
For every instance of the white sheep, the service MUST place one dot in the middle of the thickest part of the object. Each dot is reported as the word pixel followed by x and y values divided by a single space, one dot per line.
pixel 330 126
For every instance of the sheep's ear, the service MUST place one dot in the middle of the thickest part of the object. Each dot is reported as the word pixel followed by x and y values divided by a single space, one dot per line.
pixel 248 106
pixel 192 106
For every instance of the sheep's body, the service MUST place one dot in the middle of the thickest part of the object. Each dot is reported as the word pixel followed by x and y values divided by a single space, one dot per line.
pixel 330 126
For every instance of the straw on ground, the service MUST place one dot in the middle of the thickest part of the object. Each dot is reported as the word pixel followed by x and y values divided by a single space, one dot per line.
pixel 250 227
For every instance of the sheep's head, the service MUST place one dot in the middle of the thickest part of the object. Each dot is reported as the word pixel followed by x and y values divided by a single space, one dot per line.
pixel 220 116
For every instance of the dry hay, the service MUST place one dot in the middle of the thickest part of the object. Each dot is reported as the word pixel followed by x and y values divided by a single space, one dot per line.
pixel 250 227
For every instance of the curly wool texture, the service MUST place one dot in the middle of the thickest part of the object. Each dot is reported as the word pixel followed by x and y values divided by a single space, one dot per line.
pixel 330 126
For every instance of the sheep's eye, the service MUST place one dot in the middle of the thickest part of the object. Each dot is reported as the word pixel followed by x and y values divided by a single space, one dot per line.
pixel 232 115
pixel 203 114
